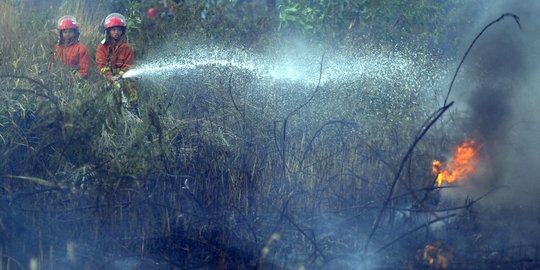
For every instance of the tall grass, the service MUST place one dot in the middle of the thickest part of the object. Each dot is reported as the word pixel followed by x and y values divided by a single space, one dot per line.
pixel 198 183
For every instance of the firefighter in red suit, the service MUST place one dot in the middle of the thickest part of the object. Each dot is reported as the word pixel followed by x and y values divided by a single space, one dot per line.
pixel 114 57
pixel 72 54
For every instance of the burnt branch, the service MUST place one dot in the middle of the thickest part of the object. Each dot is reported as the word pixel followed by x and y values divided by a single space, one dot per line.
pixel 414 230
pixel 467 205
pixel 515 17
pixel 422 132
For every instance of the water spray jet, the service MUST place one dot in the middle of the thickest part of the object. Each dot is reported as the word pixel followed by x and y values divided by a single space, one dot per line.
pixel 299 67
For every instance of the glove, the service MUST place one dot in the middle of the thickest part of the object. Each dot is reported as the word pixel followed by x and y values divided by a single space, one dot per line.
pixel 104 70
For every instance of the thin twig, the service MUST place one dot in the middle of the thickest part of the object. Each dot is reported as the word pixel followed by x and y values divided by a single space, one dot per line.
pixel 232 96
pixel 35 180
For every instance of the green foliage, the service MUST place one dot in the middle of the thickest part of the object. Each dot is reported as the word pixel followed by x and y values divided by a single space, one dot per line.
pixel 134 16
pixel 320 17
pixel 384 22
pixel 246 23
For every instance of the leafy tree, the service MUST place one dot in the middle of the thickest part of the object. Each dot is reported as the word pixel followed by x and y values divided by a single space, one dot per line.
pixel 377 21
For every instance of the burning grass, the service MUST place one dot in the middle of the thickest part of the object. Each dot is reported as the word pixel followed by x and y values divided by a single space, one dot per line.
pixel 461 166
pixel 210 178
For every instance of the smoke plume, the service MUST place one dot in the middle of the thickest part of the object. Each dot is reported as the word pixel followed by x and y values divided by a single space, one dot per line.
pixel 498 91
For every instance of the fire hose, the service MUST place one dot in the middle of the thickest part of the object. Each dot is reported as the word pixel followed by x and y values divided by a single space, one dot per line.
pixel 115 84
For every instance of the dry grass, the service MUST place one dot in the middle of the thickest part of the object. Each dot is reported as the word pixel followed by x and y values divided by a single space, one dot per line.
pixel 200 184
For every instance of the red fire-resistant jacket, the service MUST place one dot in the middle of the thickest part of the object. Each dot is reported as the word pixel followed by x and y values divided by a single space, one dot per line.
pixel 74 56
pixel 111 59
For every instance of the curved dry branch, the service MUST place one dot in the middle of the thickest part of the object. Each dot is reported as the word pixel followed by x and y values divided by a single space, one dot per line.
pixel 319 131
pixel 47 90
pixel 10 258
pixel 289 115
pixel 515 17
pixel 32 80
pixel 436 116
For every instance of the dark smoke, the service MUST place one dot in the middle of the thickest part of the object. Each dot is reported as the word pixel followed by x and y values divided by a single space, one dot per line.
pixel 499 91
pixel 497 63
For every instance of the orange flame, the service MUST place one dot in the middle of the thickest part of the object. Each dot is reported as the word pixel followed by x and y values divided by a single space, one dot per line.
pixel 436 256
pixel 462 165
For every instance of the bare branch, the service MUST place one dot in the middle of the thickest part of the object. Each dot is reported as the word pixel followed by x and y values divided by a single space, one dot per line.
pixel 414 230
pixel 516 18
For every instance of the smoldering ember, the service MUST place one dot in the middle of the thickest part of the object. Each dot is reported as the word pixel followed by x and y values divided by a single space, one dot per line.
pixel 269 134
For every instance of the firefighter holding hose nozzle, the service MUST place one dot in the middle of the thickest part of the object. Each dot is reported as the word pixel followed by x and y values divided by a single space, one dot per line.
pixel 114 57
